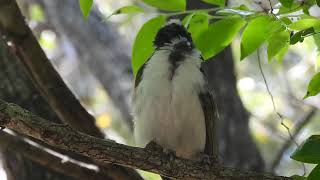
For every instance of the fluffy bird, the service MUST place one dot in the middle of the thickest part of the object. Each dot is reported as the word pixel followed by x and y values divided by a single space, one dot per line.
pixel 172 105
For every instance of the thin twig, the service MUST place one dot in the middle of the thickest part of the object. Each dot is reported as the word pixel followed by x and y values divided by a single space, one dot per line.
pixel 298 127
pixel 279 116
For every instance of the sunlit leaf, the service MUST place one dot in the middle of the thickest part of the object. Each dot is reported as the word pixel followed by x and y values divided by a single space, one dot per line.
pixel 216 2
pixel 308 152
pixel 85 6
pixel 315 173
pixel 169 5
pixel 294 7
pixel 103 120
pixel 131 9
pixel 286 20
pixel 280 55
pixel 218 36
pixel 186 20
pixel 198 23
pixel 314 86
pixel 305 24
pixel 143 44
pixel 286 3
pixel 36 13
pixel 277 42
pixel 257 32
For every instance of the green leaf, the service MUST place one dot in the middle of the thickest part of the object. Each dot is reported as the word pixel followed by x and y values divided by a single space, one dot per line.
pixel 295 6
pixel 286 3
pixel 315 173
pixel 36 13
pixel 286 20
pixel 314 86
pixel 218 36
pixel 276 42
pixel 279 57
pixel 216 2
pixel 186 20
pixel 316 39
pixel 143 44
pixel 297 177
pixel 309 152
pixel 85 6
pixel 318 2
pixel 168 5
pixel 296 37
pixel 198 23
pixel 305 24
pixel 131 9
pixel 255 34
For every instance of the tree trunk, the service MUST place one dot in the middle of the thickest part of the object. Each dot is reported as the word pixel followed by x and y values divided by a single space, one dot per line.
pixel 17 88
pixel 99 46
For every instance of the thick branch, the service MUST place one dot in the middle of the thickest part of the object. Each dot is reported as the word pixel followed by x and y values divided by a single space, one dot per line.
pixel 45 77
pixel 104 151
pixel 41 156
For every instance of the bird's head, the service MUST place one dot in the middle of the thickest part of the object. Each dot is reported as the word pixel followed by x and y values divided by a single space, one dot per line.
pixel 174 35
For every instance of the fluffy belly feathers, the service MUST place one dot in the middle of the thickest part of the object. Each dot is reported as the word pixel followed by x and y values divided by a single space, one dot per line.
pixel 169 112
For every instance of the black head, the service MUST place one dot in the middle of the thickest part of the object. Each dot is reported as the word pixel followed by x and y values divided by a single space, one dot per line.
pixel 172 30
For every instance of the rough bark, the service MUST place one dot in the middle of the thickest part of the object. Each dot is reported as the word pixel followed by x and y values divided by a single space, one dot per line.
pixel 106 151
pixel 13 143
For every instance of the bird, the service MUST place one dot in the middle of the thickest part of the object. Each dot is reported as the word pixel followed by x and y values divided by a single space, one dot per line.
pixel 172 105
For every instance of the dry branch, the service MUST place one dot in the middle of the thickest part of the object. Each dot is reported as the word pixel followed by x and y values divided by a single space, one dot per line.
pixel 105 151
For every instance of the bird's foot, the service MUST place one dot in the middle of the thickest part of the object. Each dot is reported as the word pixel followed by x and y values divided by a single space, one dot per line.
pixel 169 154
pixel 153 146
pixel 207 160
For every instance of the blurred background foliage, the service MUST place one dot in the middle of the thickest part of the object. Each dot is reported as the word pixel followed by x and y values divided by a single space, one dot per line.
pixel 287 80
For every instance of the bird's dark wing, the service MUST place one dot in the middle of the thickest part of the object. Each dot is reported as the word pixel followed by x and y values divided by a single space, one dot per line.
pixel 140 73
pixel 211 117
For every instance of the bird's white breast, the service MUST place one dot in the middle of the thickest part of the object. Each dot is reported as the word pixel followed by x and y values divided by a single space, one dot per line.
pixel 168 111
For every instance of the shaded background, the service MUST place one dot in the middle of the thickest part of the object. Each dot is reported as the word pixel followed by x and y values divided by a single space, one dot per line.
pixel 93 57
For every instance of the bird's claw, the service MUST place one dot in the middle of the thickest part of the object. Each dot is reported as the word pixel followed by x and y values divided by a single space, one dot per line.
pixel 153 146
pixel 207 160
pixel 169 154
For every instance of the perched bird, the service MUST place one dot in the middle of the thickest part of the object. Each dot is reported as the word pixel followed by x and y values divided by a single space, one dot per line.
pixel 172 105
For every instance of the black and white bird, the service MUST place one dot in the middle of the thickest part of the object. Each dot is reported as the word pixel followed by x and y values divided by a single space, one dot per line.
pixel 172 105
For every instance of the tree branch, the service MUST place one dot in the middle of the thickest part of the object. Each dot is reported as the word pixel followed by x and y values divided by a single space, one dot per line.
pixel 63 165
pixel 42 72
pixel 106 151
